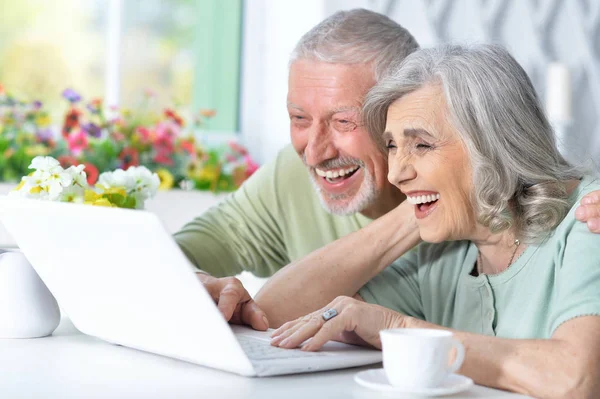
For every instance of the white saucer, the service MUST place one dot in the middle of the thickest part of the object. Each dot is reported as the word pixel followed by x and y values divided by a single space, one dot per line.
pixel 376 379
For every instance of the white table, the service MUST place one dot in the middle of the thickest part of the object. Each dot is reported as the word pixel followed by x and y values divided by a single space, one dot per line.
pixel 69 364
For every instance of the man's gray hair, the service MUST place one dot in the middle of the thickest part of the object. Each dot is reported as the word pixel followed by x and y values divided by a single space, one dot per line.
pixel 356 37
pixel 518 173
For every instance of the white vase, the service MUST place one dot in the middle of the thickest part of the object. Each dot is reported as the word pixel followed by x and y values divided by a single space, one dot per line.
pixel 27 308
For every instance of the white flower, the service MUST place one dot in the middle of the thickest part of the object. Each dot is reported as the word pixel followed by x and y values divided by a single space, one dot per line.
pixel 146 182
pixel 45 164
pixel 48 180
pixel 34 186
pixel 78 175
pixel 117 178
pixel 72 194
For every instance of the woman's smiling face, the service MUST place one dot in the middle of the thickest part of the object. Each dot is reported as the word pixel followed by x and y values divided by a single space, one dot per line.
pixel 429 163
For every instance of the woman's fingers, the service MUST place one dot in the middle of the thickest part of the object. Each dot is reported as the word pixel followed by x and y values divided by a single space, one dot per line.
pixel 284 334
pixel 293 333
pixel 329 331
pixel 304 331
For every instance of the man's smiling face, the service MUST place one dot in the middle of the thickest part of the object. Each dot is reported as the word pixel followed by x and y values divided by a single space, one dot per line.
pixel 348 170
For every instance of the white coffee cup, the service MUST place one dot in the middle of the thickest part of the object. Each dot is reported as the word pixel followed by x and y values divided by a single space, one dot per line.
pixel 415 358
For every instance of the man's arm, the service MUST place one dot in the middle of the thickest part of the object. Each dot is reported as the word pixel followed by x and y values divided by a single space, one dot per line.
pixel 241 233
pixel 589 211
pixel 339 268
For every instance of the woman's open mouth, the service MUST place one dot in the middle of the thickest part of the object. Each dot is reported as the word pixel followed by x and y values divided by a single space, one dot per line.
pixel 424 203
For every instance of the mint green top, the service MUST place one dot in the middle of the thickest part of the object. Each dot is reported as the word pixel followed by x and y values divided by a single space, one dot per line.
pixel 272 220
pixel 548 284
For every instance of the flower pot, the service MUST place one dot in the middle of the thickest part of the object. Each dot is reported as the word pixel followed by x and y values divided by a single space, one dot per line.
pixel 27 308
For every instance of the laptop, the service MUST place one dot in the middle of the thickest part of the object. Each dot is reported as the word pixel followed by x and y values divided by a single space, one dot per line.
pixel 120 276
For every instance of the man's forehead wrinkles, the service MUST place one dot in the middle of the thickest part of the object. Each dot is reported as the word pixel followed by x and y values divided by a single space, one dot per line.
pixel 329 112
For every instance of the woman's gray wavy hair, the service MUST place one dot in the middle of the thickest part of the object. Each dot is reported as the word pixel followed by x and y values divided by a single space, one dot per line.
pixel 518 173
pixel 356 37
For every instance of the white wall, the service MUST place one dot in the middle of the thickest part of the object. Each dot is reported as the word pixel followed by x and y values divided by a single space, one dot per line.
pixel 272 28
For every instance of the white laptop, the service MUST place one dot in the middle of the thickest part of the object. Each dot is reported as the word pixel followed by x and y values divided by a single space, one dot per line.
pixel 120 276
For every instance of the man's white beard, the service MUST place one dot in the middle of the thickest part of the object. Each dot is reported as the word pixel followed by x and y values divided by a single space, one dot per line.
pixel 365 197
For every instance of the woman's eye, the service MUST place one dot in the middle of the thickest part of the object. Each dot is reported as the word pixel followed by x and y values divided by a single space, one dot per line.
pixel 389 145
pixel 423 146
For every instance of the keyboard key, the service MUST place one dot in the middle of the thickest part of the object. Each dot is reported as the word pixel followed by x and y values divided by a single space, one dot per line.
pixel 260 349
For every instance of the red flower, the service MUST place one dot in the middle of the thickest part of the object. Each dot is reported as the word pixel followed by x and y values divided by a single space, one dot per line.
pixel 1 89
pixel 163 158
pixel 91 172
pixel 169 113
pixel 188 146
pixel 129 157
pixel 71 121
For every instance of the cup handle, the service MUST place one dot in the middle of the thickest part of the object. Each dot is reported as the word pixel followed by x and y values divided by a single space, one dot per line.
pixel 460 356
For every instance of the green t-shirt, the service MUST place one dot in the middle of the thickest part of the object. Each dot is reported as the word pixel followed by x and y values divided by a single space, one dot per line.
pixel 548 284
pixel 272 220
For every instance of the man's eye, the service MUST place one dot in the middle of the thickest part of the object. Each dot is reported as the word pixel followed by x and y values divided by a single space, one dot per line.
pixel 389 145
pixel 345 125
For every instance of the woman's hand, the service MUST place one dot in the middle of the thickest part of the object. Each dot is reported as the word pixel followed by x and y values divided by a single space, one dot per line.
pixel 356 323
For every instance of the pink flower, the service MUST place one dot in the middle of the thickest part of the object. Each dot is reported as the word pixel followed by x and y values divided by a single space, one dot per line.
pixel 237 148
pixel 167 129
pixel 251 166
pixel 77 141
pixel 144 134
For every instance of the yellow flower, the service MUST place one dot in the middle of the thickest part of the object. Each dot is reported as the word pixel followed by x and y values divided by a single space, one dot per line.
pixel 20 186
pixel 166 179
pixel 114 190
pixel 209 173
pixel 43 120
pixel 89 196
pixel 103 202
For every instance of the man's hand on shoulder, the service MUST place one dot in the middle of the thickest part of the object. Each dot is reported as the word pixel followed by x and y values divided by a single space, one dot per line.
pixel 588 211
pixel 234 302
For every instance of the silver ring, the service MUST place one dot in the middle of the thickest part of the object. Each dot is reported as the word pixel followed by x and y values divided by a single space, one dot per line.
pixel 329 314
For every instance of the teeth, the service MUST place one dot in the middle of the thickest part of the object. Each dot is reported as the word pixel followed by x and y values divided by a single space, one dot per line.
pixel 332 174
pixel 421 199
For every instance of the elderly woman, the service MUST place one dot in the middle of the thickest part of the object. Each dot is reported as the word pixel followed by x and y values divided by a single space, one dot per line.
pixel 504 265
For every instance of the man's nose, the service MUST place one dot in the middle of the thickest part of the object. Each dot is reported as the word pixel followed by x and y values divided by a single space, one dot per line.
pixel 401 169
pixel 320 146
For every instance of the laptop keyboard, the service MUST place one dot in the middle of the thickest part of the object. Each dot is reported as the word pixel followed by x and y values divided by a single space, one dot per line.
pixel 261 349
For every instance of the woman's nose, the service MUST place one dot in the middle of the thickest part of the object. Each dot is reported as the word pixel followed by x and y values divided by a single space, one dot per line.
pixel 400 169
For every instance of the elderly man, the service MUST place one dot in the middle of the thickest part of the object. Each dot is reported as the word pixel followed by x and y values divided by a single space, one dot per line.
pixel 332 186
